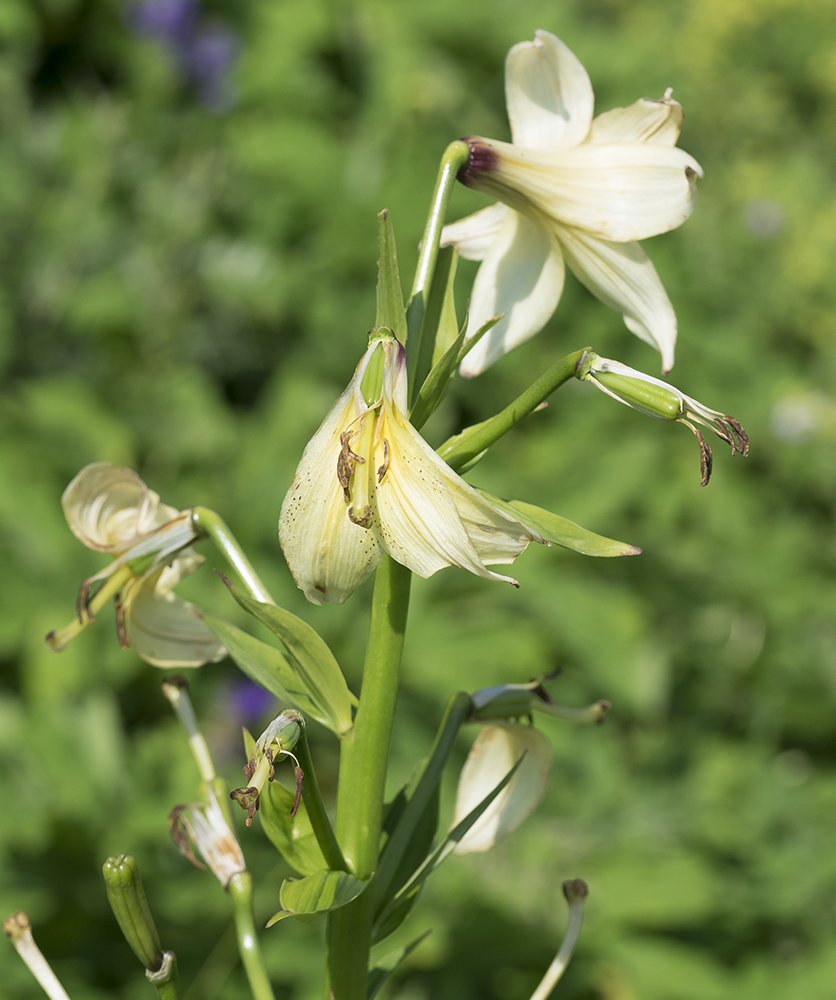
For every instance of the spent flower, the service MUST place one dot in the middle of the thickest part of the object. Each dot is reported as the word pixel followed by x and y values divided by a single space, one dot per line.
pixel 572 190
pixel 368 483
pixel 277 740
pixel 206 826
pixel 110 509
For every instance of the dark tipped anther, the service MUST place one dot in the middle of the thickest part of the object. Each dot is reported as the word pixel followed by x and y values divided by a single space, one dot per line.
pixel 82 603
pixel 300 777
pixel 247 798
pixel 740 434
pixel 121 628
pixel 706 458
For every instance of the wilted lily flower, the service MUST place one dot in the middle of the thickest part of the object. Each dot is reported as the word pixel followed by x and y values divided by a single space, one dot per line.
pixel 277 741
pixel 665 402
pixel 368 483
pixel 110 509
pixel 208 829
pixel 572 190
pixel 497 749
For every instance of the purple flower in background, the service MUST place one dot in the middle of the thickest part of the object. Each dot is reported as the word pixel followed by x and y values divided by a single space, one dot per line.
pixel 205 53
pixel 247 700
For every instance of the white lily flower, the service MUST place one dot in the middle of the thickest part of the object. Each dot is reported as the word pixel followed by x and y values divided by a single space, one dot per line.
pixel 110 509
pixel 208 829
pixel 497 749
pixel 368 483
pixel 573 190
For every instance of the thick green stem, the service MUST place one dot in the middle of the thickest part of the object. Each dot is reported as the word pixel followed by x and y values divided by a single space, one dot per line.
pixel 207 523
pixel 363 765
pixel 240 888
pixel 462 449
pixel 315 807
pixel 455 157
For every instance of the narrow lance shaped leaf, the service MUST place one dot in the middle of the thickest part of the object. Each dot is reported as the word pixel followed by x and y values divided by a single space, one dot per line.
pixel 310 897
pixel 310 658
pixel 561 531
pixel 390 309
pixel 422 353
pixel 386 966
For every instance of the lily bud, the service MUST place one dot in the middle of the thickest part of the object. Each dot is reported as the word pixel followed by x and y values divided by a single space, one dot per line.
pixel 280 737
pixel 514 701
pixel 19 931
pixel 207 828
pixel 665 402
pixel 130 907
pixel 497 749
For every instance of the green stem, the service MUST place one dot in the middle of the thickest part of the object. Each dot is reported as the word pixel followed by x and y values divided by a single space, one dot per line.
pixel 240 888
pixel 315 807
pixel 363 763
pixel 455 157
pixel 165 980
pixel 208 524
pixel 462 449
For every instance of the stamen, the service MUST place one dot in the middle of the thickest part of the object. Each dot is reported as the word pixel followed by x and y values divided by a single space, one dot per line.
pixel 387 458
pixel 345 464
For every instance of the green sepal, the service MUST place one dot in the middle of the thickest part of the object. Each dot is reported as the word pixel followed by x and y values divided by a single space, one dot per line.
pixel 292 836
pixel 560 530
pixel 310 659
pixel 308 898
pixel 390 309
pixel 380 972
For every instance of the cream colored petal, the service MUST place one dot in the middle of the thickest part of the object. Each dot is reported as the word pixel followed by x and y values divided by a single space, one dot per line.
pixel 548 94
pixel 623 277
pixel 102 506
pixel 522 277
pixel 620 191
pixel 165 631
pixel 474 235
pixel 418 515
pixel 497 749
pixel 644 121
pixel 328 555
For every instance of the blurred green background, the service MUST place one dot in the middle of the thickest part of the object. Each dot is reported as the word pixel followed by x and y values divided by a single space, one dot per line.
pixel 187 265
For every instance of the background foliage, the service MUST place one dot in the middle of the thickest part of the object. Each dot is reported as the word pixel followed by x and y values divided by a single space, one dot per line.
pixel 187 265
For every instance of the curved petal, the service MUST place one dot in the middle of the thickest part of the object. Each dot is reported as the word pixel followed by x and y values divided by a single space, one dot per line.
pixel 474 235
pixel 620 191
pixel 497 749
pixel 102 506
pixel 166 631
pixel 328 555
pixel 548 94
pixel 644 121
pixel 623 277
pixel 522 277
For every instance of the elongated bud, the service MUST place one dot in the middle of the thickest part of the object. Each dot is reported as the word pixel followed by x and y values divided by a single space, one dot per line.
pixel 514 701
pixel 575 891
pixel 19 931
pixel 278 739
pixel 665 402
pixel 130 907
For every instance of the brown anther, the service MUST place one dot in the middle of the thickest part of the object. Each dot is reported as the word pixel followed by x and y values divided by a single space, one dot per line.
pixel 180 836
pixel 364 519
pixel 82 603
pixel 387 458
pixel 247 798
pixel 121 629
pixel 706 459
pixel 300 777
pixel 268 753
pixel 249 769
pixel 346 461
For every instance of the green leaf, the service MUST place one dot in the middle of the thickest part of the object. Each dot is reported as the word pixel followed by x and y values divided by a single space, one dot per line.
pixel 448 325
pixel 390 310
pixel 434 311
pixel 292 836
pixel 310 897
pixel 379 973
pixel 444 849
pixel 562 531
pixel 315 666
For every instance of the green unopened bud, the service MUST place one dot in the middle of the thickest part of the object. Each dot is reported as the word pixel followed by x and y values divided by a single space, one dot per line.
pixel 659 399
pixel 127 900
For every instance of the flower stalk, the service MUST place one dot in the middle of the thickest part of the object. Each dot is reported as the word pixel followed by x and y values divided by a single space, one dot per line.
pixel 19 931
pixel 575 892
pixel 208 524
pixel 240 888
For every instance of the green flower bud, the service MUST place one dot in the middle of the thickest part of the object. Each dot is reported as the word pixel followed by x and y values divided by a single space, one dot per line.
pixel 127 900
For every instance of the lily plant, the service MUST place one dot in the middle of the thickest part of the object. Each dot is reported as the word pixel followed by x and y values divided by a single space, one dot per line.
pixel 371 495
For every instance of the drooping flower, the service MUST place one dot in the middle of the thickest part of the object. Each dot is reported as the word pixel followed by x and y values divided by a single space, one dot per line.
pixel 573 191
pixel 368 483
pixel 110 509
pixel 497 749
pixel 206 826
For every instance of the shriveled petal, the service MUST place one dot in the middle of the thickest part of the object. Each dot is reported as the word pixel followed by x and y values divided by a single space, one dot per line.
pixel 103 504
pixel 328 555
pixel 522 277
pixel 474 235
pixel 620 191
pixel 623 277
pixel 165 631
pixel 646 120
pixel 497 748
pixel 548 94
